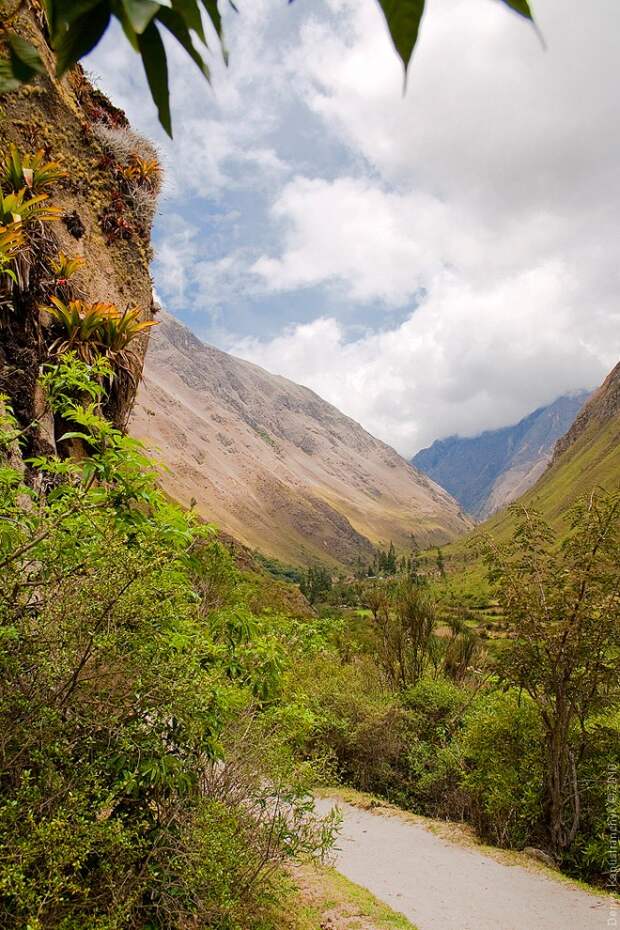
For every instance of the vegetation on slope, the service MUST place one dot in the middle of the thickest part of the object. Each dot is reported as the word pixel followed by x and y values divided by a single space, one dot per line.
pixel 591 461
pixel 518 736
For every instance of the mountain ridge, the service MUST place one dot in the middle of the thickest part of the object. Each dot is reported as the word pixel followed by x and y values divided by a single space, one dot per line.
pixel 488 471
pixel 275 465
pixel 602 405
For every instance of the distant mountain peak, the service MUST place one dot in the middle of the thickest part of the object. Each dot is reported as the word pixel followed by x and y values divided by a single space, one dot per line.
pixel 486 472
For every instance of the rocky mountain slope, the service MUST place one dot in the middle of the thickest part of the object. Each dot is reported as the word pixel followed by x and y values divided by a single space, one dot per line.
pixel 273 464
pixel 486 472
pixel 603 406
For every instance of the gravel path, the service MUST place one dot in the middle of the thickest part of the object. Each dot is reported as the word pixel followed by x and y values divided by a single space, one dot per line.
pixel 440 885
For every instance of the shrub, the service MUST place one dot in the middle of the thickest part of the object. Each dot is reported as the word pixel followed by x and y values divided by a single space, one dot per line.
pixel 596 850
pixel 432 764
pixel 502 745
pixel 358 731
pixel 117 701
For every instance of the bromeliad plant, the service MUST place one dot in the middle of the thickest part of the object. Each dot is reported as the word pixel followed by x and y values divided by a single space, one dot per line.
pixel 145 172
pixel 18 208
pixel 29 172
pixel 63 267
pixel 99 329
pixel 11 244
pixel 117 331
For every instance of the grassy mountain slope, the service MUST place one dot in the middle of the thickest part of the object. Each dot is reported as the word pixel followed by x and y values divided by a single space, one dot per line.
pixel 586 458
pixel 484 473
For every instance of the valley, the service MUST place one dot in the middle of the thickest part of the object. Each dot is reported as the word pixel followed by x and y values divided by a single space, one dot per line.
pixel 258 671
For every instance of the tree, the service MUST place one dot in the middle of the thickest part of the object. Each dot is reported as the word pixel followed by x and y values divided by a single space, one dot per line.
pixel 391 566
pixel 375 599
pixel 406 627
pixel 441 565
pixel 76 26
pixel 562 610
pixel 316 582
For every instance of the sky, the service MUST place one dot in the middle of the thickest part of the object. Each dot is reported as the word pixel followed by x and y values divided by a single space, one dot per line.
pixel 438 262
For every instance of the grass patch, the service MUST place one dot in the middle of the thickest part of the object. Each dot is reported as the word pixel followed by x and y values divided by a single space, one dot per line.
pixel 331 900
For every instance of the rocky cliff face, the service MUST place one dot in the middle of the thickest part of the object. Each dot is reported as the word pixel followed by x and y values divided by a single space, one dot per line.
pixel 98 222
pixel 603 405
pixel 487 472
pixel 275 465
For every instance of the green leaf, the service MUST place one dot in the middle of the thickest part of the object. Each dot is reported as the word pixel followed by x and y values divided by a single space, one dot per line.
pixel 21 65
pixel 75 435
pixel 25 60
pixel 140 13
pixel 520 6
pixel 214 15
pixel 156 69
pixel 81 36
pixel 190 12
pixel 61 13
pixel 8 81
pixel 403 19
pixel 177 26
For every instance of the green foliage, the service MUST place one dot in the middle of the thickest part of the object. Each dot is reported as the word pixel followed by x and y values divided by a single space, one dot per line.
pixel 77 27
pixel 9 427
pixel 29 171
pixel 279 570
pixel 562 613
pixel 97 329
pixel 120 692
pixel 316 583
pixel 502 746
pixel 70 380
pixel 63 267
pixel 19 208
pixel 407 645
pixel 11 244
pixel 21 62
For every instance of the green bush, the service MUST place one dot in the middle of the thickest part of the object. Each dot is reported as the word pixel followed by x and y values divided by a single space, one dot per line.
pixel 128 667
pixel 596 851
pixel 502 748
pixel 435 709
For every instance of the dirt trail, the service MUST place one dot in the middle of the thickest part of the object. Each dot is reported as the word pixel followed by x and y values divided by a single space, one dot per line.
pixel 440 885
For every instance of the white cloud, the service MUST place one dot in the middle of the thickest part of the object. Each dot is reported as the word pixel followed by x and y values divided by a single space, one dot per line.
pixel 219 139
pixel 464 360
pixel 380 245
pixel 489 186
pixel 487 195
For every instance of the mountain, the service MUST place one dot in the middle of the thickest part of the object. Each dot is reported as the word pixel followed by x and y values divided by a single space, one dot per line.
pixel 602 407
pixel 486 472
pixel 586 457
pixel 273 464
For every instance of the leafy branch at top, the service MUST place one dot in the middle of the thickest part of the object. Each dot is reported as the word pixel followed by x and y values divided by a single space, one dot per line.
pixel 76 26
